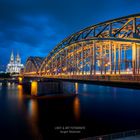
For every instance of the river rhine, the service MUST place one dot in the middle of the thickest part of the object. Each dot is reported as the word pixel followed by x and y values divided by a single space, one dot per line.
pixel 82 110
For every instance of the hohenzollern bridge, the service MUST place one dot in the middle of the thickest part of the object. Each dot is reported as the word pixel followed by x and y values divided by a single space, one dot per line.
pixel 106 51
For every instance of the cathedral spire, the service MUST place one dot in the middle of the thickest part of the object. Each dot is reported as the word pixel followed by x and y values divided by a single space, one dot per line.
pixel 17 55
pixel 12 57
pixel 18 60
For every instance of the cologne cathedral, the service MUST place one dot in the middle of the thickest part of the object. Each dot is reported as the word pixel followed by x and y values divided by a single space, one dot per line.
pixel 14 65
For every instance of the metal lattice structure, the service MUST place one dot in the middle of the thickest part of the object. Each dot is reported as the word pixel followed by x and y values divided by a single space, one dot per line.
pixel 33 65
pixel 107 48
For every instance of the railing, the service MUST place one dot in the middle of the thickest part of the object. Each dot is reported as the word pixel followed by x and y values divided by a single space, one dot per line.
pixel 111 78
pixel 115 136
pixel 119 78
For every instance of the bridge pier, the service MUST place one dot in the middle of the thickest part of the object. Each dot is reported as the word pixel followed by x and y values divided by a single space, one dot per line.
pixel 37 87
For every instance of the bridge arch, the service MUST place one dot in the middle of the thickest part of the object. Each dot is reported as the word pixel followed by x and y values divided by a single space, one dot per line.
pixel 111 47
pixel 32 65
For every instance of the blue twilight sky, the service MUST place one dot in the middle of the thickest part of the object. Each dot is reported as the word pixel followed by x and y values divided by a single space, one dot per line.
pixel 34 27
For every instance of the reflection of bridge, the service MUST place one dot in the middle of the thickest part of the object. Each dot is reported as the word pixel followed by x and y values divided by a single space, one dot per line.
pixel 102 51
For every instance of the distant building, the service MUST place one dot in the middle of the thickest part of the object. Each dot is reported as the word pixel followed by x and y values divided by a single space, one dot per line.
pixel 14 65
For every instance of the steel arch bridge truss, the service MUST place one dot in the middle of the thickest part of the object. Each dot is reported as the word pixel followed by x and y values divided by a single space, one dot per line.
pixel 93 57
pixel 111 47
pixel 32 65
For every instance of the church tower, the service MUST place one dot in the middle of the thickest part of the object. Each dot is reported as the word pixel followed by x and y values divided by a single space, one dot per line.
pixel 14 66
pixel 18 59
pixel 12 58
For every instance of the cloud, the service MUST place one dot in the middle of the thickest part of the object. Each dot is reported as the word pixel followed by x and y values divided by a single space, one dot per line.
pixel 34 27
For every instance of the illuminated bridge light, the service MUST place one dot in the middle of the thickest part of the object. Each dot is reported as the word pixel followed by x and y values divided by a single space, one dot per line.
pixel 20 79
pixel 34 88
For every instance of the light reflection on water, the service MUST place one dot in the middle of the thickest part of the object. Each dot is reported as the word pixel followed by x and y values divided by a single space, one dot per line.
pixel 76 88
pixel 33 119
pixel 31 113
pixel 20 92
pixel 20 96
pixel 11 85
pixel 76 109
pixel 98 107
pixel 33 110
pixel 85 87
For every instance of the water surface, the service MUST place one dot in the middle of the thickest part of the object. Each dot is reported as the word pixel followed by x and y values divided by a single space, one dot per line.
pixel 95 109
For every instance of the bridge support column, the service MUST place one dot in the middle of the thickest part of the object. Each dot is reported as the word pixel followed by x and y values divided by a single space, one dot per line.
pixel 78 61
pixel 94 55
pixel 75 59
pixel 105 62
pixel 134 54
pixel 73 65
pixel 115 58
pixel 82 59
pixel 119 58
pixel 91 60
pixel 138 58
pixel 125 59
pixel 66 61
pixel 101 59
pixel 86 51
pixel 110 56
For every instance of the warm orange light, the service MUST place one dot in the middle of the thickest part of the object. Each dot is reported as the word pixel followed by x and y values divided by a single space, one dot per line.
pixel 20 79
pixel 20 92
pixel 34 88
pixel 33 109
pixel 76 88
pixel 77 108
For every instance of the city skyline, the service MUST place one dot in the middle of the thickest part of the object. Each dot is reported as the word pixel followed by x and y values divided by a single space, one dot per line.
pixel 34 28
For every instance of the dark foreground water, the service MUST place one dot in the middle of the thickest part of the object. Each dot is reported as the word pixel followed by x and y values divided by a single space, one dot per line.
pixel 83 110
